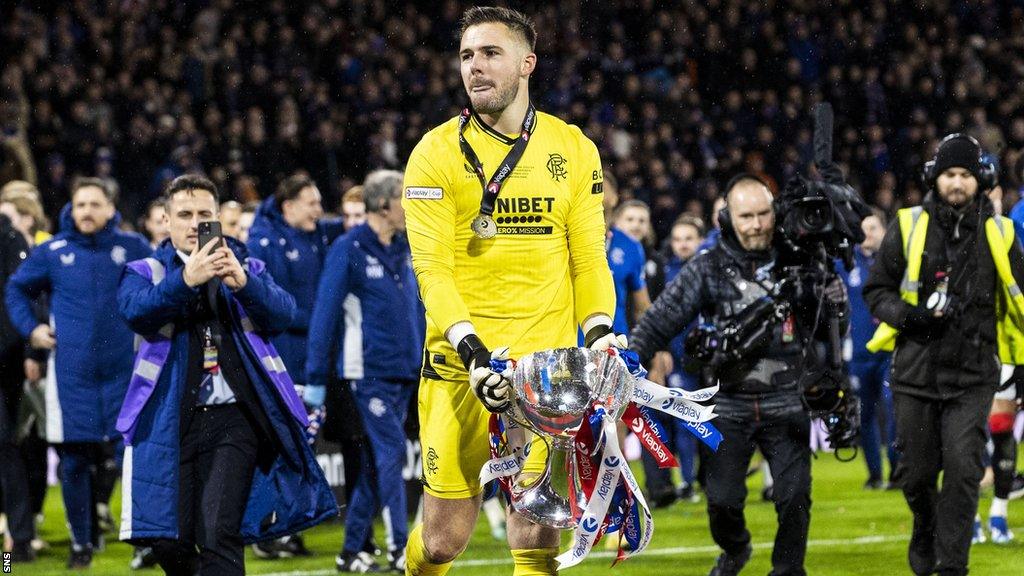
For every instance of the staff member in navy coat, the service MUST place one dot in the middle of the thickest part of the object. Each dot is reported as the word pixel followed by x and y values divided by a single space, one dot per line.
pixel 291 237
pixel 369 286
pixel 217 453
pixel 91 346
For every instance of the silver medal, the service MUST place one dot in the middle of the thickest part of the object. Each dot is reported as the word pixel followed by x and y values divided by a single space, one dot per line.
pixel 483 226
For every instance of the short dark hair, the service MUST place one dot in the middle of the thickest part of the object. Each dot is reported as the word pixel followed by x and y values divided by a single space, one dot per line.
pixel 154 204
pixel 83 181
pixel 290 187
pixel 516 21
pixel 190 182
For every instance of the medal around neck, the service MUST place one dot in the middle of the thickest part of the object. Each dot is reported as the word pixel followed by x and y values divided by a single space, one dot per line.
pixel 483 226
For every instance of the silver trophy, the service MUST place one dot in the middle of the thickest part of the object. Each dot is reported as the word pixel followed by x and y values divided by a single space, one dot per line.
pixel 554 391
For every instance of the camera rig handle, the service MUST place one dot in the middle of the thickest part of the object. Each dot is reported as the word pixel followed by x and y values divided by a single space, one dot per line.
pixel 823 126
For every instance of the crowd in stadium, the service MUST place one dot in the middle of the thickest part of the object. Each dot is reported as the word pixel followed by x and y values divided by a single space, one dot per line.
pixel 271 100
pixel 678 95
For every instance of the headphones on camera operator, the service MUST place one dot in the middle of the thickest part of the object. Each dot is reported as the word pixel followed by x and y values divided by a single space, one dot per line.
pixel 724 218
pixel 986 176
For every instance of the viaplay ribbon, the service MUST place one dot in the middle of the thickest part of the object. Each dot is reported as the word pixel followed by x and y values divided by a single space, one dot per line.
pixel 599 500
pixel 650 433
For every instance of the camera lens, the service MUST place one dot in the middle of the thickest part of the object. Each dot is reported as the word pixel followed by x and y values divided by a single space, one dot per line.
pixel 815 217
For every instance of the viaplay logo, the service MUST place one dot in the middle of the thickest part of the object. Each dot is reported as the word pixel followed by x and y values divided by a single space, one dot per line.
pixel 667 404
pixel 637 425
pixel 589 524
pixel 611 461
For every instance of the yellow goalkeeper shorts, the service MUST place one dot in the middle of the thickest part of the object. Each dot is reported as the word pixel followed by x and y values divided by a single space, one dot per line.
pixel 454 443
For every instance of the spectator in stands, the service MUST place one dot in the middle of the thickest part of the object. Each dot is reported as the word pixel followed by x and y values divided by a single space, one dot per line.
pixel 252 97
pixel 80 268
pixel 369 286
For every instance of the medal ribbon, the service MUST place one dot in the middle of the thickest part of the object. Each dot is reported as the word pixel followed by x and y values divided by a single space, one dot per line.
pixel 492 187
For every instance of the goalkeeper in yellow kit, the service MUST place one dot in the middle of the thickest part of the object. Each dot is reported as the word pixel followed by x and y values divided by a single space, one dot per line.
pixel 504 216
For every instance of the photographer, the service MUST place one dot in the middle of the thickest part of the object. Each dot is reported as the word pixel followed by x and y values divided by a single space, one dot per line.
pixel 946 276
pixel 760 402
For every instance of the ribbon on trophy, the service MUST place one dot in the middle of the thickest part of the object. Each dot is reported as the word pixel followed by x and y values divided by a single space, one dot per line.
pixel 571 398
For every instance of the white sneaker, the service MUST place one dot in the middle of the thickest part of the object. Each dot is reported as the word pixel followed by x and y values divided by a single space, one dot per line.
pixel 979 533
pixel 358 563
pixel 1000 530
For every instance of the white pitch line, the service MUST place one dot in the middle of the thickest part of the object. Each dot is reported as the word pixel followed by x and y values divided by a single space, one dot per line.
pixel 681 550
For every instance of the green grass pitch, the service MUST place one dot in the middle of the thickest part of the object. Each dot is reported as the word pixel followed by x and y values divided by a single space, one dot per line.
pixel 853 532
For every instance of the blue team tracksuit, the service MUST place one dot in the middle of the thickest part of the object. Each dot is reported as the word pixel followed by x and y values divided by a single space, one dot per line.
pixel 626 260
pixel 89 369
pixel 295 259
pixel 372 289
pixel 869 372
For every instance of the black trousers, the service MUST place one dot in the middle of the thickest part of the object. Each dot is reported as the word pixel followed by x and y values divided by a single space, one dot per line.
pixel 784 440
pixel 218 458
pixel 13 473
pixel 946 436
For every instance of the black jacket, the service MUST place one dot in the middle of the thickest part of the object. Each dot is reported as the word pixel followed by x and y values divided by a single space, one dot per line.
pixel 13 249
pixel 962 352
pixel 719 284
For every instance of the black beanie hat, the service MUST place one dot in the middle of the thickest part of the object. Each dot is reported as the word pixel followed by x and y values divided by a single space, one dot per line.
pixel 958 152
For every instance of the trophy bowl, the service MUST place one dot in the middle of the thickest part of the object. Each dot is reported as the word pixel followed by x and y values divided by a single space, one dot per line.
pixel 555 390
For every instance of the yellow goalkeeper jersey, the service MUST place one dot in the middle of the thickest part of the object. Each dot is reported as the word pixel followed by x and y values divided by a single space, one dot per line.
pixel 543 274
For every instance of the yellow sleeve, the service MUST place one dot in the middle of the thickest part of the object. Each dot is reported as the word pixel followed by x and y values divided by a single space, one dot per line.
pixel 593 288
pixel 430 213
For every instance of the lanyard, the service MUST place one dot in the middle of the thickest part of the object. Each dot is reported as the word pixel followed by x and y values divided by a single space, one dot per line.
pixel 483 224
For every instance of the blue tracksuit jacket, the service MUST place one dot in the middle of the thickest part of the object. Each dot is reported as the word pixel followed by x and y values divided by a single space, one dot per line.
pixel 295 260
pixel 90 367
pixel 373 289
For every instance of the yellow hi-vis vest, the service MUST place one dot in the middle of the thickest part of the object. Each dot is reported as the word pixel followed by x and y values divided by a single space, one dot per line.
pixel 1009 300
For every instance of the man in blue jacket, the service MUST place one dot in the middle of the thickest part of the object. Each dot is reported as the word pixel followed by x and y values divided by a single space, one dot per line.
pixel 869 371
pixel 290 235
pixel 216 454
pixel 91 347
pixel 368 281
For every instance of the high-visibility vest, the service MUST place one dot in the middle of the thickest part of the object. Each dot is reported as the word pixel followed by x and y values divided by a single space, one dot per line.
pixel 1009 300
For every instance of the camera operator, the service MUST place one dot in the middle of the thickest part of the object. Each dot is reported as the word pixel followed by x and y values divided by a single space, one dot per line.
pixel 946 276
pixel 760 403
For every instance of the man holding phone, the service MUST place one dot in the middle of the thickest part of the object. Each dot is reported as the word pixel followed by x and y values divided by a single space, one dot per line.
pixel 216 451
